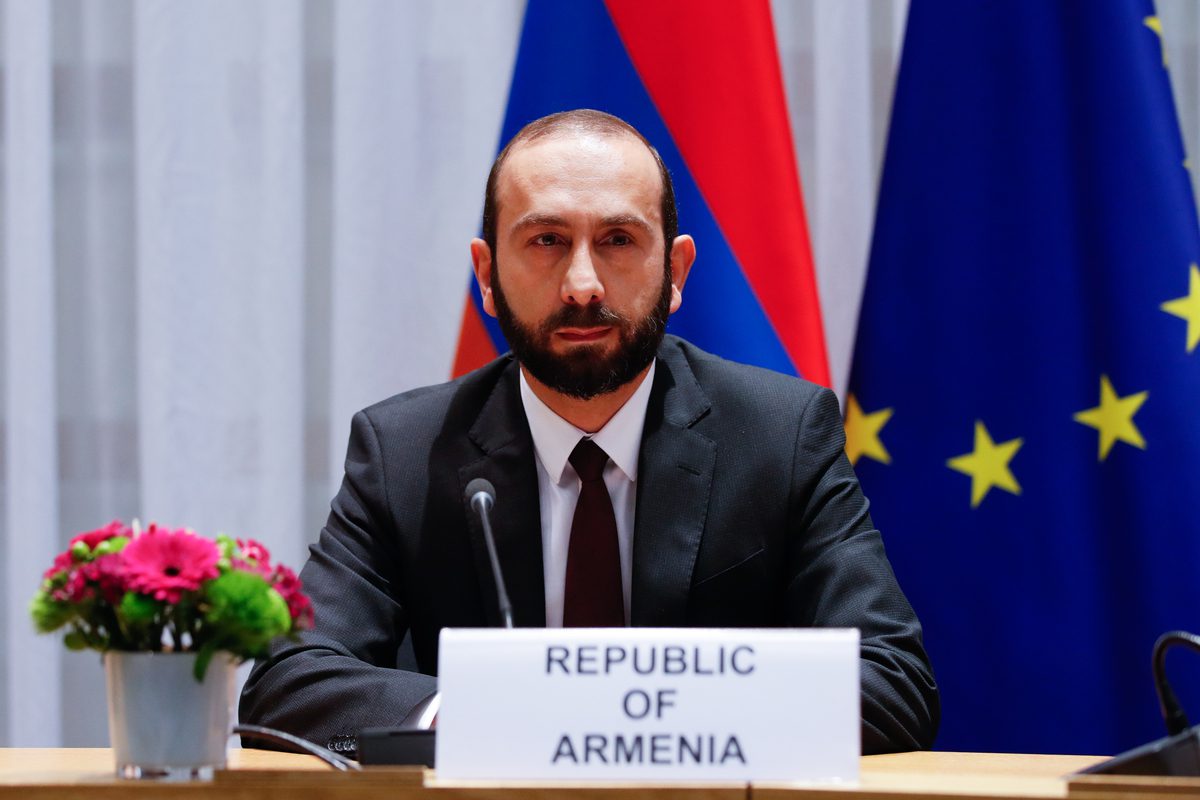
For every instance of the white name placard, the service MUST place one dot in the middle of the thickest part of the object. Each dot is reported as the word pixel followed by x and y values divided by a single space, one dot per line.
pixel 636 704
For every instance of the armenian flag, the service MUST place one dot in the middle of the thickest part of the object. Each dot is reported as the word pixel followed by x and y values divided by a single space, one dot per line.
pixel 701 81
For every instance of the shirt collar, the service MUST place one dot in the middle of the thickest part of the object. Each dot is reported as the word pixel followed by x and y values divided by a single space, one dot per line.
pixel 621 437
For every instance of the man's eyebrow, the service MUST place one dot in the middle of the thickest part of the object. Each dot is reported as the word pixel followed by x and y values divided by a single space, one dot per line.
pixel 555 221
pixel 626 221
pixel 538 221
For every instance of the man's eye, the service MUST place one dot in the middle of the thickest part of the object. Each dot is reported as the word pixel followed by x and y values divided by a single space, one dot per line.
pixel 546 240
pixel 620 239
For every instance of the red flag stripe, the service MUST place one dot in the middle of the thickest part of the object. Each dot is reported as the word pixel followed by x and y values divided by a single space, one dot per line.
pixel 712 69
pixel 474 346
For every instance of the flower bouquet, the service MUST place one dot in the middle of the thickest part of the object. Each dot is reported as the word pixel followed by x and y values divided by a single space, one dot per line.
pixel 160 602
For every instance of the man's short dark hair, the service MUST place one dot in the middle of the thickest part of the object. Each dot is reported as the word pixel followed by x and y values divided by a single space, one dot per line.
pixel 581 120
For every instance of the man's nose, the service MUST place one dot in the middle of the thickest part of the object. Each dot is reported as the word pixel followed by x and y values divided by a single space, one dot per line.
pixel 581 285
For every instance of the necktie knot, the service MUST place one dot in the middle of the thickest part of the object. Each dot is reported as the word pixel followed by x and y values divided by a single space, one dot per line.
pixel 588 460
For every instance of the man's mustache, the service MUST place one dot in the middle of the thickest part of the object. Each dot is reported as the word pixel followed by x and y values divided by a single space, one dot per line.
pixel 593 315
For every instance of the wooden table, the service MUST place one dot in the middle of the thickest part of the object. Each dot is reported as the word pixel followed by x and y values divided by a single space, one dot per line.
pixel 37 774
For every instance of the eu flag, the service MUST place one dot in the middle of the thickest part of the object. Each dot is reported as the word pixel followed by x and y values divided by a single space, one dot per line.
pixel 1025 397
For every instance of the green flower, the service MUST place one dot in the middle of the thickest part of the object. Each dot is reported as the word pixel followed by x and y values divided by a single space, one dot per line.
pixel 49 614
pixel 138 609
pixel 113 545
pixel 244 608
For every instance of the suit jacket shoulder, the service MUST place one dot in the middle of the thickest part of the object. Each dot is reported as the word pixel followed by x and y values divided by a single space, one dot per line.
pixel 773 529
pixel 741 391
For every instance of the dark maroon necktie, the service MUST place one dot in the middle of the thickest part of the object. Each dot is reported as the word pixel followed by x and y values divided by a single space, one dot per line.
pixel 593 596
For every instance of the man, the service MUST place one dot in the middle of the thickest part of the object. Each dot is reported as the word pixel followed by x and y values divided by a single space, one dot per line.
pixel 638 480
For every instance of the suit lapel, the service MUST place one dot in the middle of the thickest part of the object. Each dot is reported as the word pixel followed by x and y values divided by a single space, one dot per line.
pixel 675 475
pixel 502 432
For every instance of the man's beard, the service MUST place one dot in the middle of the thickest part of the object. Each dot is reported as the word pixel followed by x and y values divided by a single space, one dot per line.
pixel 584 372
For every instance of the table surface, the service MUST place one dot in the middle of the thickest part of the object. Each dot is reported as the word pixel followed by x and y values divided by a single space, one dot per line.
pixel 41 774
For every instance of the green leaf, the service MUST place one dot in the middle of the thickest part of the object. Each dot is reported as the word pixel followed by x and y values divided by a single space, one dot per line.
pixel 227 546
pixel 203 656
pixel 76 640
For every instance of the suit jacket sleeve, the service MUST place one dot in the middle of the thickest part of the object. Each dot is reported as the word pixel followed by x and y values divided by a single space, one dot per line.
pixel 342 676
pixel 842 578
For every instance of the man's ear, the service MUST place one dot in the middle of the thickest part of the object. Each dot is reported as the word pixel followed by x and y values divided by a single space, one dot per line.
pixel 683 255
pixel 481 258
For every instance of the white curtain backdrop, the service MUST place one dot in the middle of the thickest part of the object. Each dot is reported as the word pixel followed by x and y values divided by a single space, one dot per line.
pixel 228 225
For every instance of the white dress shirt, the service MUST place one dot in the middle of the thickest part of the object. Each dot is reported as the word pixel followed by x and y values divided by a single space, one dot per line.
pixel 558 485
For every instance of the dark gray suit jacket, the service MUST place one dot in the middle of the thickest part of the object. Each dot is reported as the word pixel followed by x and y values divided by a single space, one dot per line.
pixel 748 515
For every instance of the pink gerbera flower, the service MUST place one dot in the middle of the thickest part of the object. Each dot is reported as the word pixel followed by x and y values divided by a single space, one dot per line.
pixel 165 564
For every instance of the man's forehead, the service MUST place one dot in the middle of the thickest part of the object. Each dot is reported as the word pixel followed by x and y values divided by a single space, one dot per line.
pixel 600 160
pixel 583 143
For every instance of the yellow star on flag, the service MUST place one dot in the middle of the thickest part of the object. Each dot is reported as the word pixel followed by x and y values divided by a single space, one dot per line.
pixel 1155 24
pixel 1114 418
pixel 862 433
pixel 988 465
pixel 1188 307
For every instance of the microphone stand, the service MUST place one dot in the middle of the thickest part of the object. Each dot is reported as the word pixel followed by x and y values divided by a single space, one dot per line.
pixel 414 742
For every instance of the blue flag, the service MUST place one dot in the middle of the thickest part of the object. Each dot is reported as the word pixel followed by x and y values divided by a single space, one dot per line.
pixel 1024 408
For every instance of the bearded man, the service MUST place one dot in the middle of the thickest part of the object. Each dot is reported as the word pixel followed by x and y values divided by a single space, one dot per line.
pixel 639 480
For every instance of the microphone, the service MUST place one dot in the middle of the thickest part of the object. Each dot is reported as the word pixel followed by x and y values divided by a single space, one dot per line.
pixel 414 742
pixel 481 496
pixel 1177 753
pixel 1172 712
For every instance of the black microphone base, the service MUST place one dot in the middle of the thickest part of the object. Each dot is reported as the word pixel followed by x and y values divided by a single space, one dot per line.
pixel 1172 755
pixel 396 746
